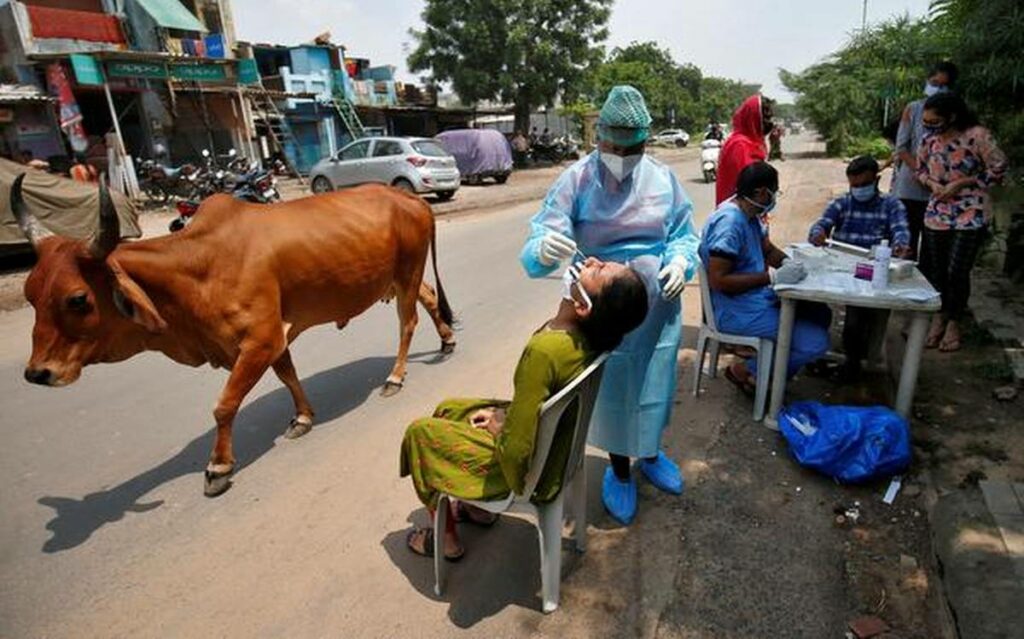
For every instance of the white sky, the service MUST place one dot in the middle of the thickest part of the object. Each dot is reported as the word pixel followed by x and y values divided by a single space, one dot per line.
pixel 742 39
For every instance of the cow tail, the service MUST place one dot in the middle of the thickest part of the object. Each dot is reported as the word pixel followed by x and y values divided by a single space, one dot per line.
pixel 442 300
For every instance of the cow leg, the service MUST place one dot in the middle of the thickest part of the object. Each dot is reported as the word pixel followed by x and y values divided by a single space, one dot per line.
pixel 252 362
pixel 303 420
pixel 428 298
pixel 407 319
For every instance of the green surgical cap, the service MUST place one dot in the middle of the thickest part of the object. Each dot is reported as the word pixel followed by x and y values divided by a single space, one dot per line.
pixel 624 119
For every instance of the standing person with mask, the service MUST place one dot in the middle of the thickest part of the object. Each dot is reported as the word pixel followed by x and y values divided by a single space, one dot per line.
pixel 743 265
pixel 745 145
pixel 618 204
pixel 905 185
pixel 958 161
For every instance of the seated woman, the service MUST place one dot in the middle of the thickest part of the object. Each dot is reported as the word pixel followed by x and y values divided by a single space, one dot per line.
pixel 481 448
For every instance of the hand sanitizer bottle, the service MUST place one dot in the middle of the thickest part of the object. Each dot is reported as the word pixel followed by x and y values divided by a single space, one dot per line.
pixel 880 273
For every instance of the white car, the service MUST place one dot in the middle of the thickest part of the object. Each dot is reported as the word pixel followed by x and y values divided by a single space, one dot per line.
pixel 417 165
pixel 672 137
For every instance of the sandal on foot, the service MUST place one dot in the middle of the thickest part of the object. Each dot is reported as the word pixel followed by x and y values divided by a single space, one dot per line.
pixel 467 515
pixel 934 337
pixel 745 385
pixel 428 544
pixel 949 345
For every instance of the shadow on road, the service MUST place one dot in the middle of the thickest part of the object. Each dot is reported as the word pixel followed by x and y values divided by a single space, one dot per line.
pixel 333 393
pixel 501 568
pixel 502 564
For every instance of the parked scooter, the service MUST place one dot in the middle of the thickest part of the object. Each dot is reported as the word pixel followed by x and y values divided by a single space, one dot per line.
pixel 709 150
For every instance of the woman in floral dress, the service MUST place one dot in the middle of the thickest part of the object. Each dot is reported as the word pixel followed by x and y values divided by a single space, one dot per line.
pixel 958 161
pixel 481 448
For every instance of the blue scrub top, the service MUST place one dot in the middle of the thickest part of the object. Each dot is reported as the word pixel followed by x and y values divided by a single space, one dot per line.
pixel 731 234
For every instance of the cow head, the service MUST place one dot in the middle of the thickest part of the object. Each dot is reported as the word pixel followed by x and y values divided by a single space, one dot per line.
pixel 87 308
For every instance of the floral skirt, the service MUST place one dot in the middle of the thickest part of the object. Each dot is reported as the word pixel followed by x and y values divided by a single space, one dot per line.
pixel 445 453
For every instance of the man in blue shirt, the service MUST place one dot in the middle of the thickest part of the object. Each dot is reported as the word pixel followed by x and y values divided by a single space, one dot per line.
pixel 863 217
pixel 742 265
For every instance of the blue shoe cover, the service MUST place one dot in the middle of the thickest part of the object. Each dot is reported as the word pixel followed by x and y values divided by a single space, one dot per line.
pixel 619 497
pixel 664 474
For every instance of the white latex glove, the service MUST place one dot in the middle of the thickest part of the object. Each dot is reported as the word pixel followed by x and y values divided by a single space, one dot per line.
pixel 790 272
pixel 555 247
pixel 673 277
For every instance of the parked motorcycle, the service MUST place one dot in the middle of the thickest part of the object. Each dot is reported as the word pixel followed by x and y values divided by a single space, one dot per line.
pixel 160 183
pixel 709 150
pixel 256 185
pixel 186 211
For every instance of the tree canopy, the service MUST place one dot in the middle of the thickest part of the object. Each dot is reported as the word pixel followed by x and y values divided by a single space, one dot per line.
pixel 678 94
pixel 524 52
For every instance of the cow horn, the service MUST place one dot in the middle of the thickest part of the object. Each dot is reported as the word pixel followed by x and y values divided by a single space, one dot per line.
pixel 109 232
pixel 27 222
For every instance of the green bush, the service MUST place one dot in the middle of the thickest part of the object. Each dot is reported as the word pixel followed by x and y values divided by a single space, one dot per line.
pixel 876 147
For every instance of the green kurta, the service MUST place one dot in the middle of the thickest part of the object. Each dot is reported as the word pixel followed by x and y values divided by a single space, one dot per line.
pixel 446 453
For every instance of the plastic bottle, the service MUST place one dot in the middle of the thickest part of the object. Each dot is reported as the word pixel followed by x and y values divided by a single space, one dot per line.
pixel 880 273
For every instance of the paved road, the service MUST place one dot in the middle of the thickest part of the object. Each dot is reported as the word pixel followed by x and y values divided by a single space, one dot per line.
pixel 106 531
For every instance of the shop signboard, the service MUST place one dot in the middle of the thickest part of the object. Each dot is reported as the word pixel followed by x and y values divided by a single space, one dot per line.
pixel 126 69
pixel 200 72
pixel 87 72
pixel 248 73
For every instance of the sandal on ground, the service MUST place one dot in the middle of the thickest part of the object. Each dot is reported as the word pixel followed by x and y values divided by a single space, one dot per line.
pixel 427 535
pixel 743 352
pixel 745 385
pixel 465 514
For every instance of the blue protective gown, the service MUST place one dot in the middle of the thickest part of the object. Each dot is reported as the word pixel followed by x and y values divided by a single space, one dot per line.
pixel 645 221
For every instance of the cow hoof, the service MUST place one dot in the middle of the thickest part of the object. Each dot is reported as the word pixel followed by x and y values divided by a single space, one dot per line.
pixel 216 483
pixel 390 389
pixel 299 427
pixel 447 348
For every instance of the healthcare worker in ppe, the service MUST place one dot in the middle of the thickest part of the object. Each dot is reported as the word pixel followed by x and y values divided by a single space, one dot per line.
pixel 618 204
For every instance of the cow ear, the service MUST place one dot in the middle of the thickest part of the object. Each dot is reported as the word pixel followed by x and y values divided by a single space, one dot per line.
pixel 133 301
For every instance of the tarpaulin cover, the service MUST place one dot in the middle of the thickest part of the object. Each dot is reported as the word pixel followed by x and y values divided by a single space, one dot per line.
pixel 61 205
pixel 74 25
pixel 171 14
pixel 478 151
pixel 849 443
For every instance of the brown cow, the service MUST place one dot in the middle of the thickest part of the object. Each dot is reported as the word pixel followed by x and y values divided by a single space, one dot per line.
pixel 232 290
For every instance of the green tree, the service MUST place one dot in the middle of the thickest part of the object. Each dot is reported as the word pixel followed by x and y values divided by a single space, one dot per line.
pixel 524 52
pixel 678 94
pixel 867 81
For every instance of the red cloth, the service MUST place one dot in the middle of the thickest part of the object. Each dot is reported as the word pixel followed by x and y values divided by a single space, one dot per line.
pixel 74 25
pixel 744 146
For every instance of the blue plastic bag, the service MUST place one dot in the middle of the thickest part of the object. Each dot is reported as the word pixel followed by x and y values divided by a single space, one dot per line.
pixel 849 443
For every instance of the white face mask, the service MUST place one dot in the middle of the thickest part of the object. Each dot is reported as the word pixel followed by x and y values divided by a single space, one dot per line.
pixel 620 166
pixel 571 277
pixel 931 89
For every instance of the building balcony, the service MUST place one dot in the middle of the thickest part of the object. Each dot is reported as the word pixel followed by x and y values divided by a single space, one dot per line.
pixel 48 30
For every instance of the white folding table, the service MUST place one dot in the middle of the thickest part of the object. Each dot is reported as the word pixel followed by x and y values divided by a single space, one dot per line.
pixel 830 280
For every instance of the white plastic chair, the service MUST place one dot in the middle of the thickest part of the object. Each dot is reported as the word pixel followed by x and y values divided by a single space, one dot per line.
pixel 709 332
pixel 582 392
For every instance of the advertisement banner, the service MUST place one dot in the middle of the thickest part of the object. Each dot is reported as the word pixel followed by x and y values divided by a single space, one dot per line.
pixel 70 114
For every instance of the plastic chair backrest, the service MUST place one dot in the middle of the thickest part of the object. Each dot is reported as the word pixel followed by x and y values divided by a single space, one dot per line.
pixel 705 297
pixel 581 391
